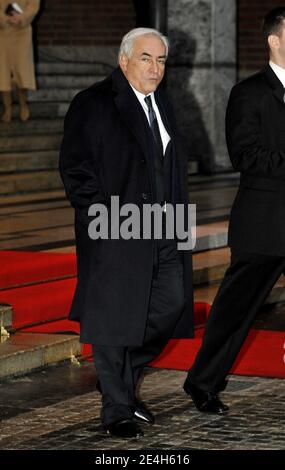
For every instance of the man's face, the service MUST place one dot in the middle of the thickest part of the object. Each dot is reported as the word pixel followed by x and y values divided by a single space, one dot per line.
pixel 145 68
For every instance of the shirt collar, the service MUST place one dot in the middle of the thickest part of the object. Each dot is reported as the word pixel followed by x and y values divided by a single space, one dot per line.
pixel 279 72
pixel 140 96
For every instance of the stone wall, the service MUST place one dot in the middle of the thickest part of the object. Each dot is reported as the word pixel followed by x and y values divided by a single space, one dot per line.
pixel 252 51
pixel 84 22
pixel 202 70
pixel 82 30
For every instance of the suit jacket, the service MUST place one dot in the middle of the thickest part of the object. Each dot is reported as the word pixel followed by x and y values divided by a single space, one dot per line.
pixel 105 152
pixel 255 133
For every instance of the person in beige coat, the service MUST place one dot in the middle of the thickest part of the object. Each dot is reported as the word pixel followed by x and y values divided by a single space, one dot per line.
pixel 16 55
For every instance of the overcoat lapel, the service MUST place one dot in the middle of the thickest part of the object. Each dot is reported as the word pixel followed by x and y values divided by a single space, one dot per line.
pixel 274 82
pixel 130 109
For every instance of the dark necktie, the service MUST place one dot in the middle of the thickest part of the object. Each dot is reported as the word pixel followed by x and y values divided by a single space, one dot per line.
pixel 154 126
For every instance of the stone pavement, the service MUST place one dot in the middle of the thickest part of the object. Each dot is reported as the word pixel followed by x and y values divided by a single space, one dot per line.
pixel 58 409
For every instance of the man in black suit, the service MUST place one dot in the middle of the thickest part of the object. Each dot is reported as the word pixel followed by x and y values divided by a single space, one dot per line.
pixel 255 132
pixel 132 295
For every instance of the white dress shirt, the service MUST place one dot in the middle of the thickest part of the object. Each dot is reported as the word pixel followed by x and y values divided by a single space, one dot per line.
pixel 279 71
pixel 163 132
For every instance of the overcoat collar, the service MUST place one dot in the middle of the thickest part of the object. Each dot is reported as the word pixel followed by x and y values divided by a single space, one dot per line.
pixel 275 84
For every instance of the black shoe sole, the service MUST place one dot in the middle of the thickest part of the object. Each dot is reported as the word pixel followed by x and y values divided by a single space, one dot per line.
pixel 136 436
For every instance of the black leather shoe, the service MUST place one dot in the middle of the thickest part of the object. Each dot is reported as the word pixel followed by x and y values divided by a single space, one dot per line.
pixel 142 414
pixel 205 401
pixel 125 428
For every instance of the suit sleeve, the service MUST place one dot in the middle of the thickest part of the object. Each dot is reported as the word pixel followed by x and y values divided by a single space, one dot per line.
pixel 78 157
pixel 243 134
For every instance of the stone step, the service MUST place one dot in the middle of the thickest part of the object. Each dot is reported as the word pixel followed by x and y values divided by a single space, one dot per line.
pixel 6 317
pixel 48 159
pixel 33 126
pixel 211 236
pixel 208 293
pixel 24 352
pixel 212 240
pixel 73 68
pixel 219 180
pixel 43 110
pixel 48 95
pixel 277 295
pixel 192 167
pixel 67 81
pixel 29 161
pixel 30 182
pixel 15 201
pixel 30 143
pixel 210 266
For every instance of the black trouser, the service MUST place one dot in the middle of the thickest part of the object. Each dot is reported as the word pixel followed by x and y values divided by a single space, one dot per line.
pixel 246 285
pixel 119 368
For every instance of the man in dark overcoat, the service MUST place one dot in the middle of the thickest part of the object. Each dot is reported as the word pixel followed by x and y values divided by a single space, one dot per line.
pixel 255 132
pixel 132 295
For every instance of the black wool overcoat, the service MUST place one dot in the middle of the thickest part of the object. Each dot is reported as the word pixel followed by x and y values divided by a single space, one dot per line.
pixel 105 153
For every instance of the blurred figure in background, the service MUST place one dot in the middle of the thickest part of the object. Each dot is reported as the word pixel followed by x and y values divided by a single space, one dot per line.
pixel 16 54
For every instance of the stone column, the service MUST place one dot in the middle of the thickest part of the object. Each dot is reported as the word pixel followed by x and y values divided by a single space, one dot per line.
pixel 151 14
pixel 201 73
pixel 158 15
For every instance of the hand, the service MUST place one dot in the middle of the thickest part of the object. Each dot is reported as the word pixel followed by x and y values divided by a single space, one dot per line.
pixel 15 19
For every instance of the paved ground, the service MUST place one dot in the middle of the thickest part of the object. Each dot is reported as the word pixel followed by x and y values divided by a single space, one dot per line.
pixel 58 409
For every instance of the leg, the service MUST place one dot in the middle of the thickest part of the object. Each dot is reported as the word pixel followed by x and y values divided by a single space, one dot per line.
pixel 244 288
pixel 119 368
pixel 7 103
pixel 115 375
pixel 165 306
pixel 24 109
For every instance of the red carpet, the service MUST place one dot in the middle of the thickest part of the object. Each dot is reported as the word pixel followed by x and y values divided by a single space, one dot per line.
pixel 19 267
pixel 40 302
pixel 48 300
pixel 261 355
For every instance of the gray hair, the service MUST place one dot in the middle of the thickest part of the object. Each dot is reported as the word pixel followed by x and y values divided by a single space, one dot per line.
pixel 128 40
